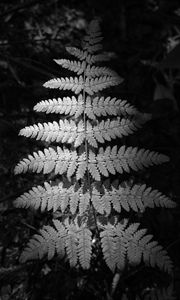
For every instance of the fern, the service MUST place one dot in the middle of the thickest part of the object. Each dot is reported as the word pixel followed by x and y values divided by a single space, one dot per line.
pixel 89 120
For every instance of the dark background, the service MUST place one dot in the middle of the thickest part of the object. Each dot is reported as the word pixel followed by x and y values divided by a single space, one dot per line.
pixel 143 38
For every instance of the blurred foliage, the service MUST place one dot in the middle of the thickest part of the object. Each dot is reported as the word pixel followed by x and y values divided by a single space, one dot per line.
pixel 144 36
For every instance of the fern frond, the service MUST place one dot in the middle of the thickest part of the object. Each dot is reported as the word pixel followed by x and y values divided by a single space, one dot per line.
pixel 48 242
pixel 90 86
pixel 134 251
pixel 97 107
pixel 72 244
pixel 108 130
pixel 50 132
pixel 55 197
pixel 60 161
pixel 82 166
pixel 68 132
pixel 92 48
pixel 101 57
pixel 98 71
pixel 67 105
pixel 92 167
pixel 102 106
pixel 146 196
pixel 130 244
pixel 112 161
pixel 80 54
pixel 74 84
pixel 65 132
pixel 89 58
pixel 140 247
pixel 108 245
pixel 75 66
pixel 108 161
pixel 80 67
pixel 84 206
pixel 83 202
pixel 47 197
pixel 100 83
pixel 61 237
pixel 74 200
pixel 101 204
pixel 73 240
pixel 84 247
pixel 91 41
pixel 138 198
pixel 153 254
pixel 120 246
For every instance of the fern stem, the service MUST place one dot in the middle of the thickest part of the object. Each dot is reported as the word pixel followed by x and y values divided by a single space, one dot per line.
pixel 86 150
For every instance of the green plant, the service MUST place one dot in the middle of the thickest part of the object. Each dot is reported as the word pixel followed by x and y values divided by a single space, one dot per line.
pixel 91 208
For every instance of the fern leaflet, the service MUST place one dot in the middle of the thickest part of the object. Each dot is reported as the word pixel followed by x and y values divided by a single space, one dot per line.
pixel 134 245
pixel 97 107
pixel 69 132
